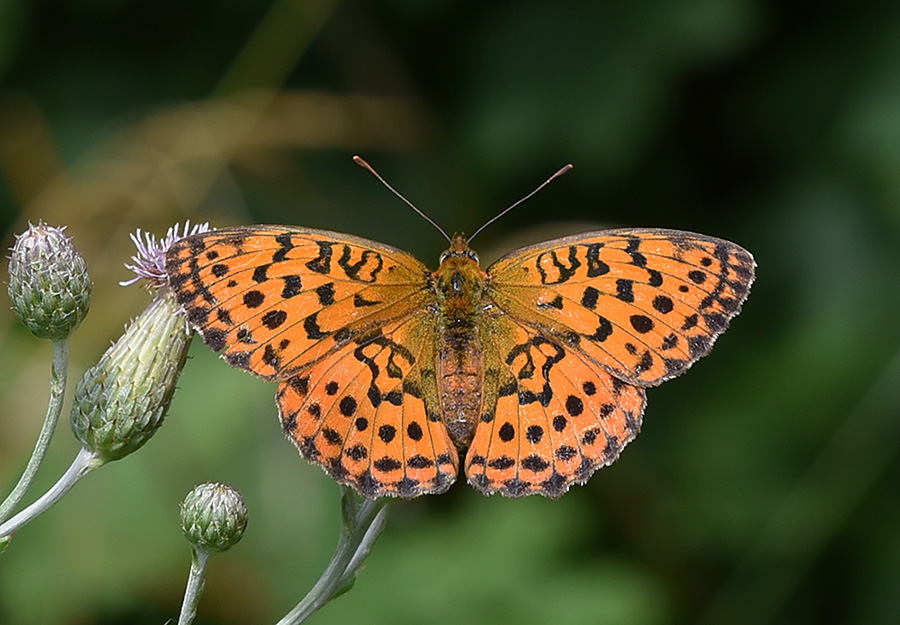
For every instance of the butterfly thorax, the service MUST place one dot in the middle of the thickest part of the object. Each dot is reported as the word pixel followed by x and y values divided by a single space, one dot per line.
pixel 459 286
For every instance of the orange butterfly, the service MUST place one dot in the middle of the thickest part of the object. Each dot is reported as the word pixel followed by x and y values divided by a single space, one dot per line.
pixel 389 370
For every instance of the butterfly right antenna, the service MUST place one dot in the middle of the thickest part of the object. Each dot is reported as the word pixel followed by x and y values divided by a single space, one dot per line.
pixel 562 170
pixel 362 163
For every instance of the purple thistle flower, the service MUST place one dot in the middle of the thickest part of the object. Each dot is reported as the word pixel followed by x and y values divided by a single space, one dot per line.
pixel 150 261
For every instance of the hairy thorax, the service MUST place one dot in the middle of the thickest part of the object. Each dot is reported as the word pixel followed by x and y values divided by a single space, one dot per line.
pixel 459 284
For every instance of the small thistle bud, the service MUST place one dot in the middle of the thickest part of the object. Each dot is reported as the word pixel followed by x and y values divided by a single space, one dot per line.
pixel 48 282
pixel 213 517
pixel 121 401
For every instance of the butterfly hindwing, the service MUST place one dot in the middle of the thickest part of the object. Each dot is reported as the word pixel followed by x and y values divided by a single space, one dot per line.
pixel 367 414
pixel 557 417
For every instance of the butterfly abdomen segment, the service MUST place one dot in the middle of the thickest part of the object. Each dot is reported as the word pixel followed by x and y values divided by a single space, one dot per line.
pixel 459 286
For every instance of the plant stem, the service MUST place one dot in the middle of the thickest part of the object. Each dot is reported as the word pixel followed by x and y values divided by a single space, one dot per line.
pixel 362 523
pixel 85 461
pixel 199 560
pixel 57 393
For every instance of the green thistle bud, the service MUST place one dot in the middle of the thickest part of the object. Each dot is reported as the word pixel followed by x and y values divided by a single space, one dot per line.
pixel 213 517
pixel 48 282
pixel 121 401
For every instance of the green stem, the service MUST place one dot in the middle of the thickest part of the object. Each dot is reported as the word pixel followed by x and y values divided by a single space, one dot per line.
pixel 362 523
pixel 83 464
pixel 57 393
pixel 199 560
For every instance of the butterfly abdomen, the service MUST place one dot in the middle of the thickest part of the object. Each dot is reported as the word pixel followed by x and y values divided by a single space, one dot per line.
pixel 460 382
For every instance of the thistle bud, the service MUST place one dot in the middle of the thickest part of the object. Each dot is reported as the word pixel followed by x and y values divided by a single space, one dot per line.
pixel 120 402
pixel 213 517
pixel 48 282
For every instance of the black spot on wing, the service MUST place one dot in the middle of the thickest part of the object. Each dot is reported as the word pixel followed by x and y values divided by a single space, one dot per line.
pixel 241 360
pixel 387 464
pixel 215 339
pixel 325 293
pixel 535 463
pixel 595 266
pixel 311 326
pixel 589 297
pixel 224 316
pixel 292 286
pixel 284 240
pixel 360 302
pixel 625 290
pixel 501 463
pixel 642 324
pixel 259 274
pixel 322 262
pixel 556 302
pixel 254 299
pixel 274 319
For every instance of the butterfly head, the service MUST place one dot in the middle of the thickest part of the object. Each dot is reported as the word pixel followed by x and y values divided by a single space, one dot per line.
pixel 459 281
pixel 459 248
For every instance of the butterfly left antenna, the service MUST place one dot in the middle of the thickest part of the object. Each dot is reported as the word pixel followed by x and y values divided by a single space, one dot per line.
pixel 362 163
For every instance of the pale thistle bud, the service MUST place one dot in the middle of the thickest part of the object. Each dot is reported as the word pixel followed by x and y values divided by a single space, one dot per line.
pixel 48 282
pixel 121 401
pixel 213 517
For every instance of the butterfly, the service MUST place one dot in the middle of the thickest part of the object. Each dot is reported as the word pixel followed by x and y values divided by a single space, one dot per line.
pixel 534 370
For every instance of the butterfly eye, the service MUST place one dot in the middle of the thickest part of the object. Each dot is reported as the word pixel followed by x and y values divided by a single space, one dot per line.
pixel 451 253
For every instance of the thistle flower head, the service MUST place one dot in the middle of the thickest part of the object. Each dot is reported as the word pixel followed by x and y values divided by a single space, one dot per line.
pixel 48 282
pixel 121 401
pixel 213 517
pixel 150 261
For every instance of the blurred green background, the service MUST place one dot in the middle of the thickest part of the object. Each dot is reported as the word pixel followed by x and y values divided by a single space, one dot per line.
pixel 764 487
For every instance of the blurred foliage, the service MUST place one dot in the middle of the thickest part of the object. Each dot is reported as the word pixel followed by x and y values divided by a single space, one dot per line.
pixel 764 486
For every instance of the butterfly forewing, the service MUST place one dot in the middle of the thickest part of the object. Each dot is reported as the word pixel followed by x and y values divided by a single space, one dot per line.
pixel 644 304
pixel 274 299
